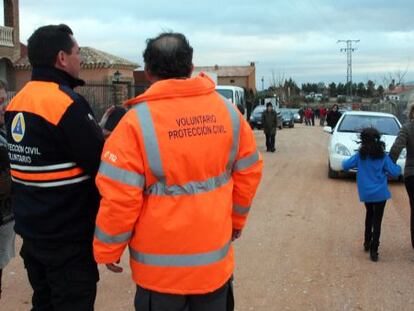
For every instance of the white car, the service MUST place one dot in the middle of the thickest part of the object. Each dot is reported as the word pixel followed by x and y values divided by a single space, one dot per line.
pixel 345 136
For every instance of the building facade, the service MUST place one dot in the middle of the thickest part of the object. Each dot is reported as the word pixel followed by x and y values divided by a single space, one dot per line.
pixel 242 76
pixel 10 49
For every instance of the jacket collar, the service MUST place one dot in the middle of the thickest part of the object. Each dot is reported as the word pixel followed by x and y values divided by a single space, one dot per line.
pixel 51 74
pixel 173 88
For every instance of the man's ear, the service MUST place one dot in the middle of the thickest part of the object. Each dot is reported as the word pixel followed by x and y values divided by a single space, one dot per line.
pixel 150 77
pixel 61 60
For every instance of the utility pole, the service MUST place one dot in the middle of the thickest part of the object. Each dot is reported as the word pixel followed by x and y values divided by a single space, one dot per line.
pixel 262 83
pixel 349 50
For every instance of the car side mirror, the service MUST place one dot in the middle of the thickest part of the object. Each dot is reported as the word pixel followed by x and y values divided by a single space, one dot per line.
pixel 327 129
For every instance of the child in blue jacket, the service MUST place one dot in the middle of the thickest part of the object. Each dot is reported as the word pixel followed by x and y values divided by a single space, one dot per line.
pixel 373 166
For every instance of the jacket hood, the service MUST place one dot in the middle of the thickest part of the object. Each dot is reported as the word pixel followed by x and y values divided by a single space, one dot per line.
pixel 172 88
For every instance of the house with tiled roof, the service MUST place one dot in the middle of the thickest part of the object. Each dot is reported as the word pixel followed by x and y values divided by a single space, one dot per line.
pixel 397 92
pixel 97 67
pixel 242 76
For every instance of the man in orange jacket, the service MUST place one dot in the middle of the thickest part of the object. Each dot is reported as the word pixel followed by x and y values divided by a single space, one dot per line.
pixel 177 178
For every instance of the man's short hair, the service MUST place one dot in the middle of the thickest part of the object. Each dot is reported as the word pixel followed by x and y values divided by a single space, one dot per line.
pixel 169 55
pixel 46 42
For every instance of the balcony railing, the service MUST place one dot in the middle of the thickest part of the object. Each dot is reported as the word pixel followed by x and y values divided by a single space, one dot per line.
pixel 6 36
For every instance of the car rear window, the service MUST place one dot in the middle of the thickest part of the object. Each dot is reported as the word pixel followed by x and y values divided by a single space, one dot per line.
pixel 355 123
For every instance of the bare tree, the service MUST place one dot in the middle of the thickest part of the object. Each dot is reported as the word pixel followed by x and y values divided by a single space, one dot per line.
pixel 277 82
pixel 400 76
pixel 396 78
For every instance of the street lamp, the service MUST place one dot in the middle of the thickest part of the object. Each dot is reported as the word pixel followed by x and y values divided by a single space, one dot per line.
pixel 262 83
pixel 117 76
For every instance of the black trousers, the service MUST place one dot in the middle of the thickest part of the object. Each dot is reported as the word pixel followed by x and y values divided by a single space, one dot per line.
pixel 63 275
pixel 270 142
pixel 219 300
pixel 409 185
pixel 373 220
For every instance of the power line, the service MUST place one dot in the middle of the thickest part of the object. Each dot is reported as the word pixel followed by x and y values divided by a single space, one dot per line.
pixel 349 50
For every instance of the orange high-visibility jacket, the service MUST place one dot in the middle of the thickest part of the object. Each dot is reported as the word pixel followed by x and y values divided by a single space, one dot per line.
pixel 178 173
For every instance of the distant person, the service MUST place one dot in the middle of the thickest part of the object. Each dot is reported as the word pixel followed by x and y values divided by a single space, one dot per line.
pixel 405 139
pixel 308 116
pixel 305 115
pixel 373 167
pixel 316 113
pixel 269 121
pixel 7 235
pixel 301 114
pixel 333 116
pixel 322 116
pixel 313 115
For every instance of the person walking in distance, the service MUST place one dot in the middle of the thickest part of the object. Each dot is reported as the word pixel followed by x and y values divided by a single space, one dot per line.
pixel 333 116
pixel 177 182
pixel 373 167
pixel 322 116
pixel 269 121
pixel 55 145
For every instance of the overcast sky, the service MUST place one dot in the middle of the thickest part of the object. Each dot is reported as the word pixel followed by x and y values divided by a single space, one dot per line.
pixel 292 38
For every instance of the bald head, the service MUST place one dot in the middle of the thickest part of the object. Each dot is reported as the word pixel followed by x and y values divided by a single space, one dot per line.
pixel 169 56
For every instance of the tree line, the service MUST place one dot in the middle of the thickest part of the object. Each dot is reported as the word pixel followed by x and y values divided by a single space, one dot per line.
pixel 290 88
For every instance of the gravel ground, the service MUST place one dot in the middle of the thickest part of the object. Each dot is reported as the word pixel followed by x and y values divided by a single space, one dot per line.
pixel 302 247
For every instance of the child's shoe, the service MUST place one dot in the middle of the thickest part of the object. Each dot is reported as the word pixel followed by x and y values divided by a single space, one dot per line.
pixel 374 252
pixel 367 246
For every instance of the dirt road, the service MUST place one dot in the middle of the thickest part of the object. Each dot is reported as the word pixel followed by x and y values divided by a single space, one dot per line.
pixel 302 248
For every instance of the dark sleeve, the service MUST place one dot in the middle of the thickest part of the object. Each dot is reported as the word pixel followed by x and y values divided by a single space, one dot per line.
pixel 399 144
pixel 82 136
pixel 328 119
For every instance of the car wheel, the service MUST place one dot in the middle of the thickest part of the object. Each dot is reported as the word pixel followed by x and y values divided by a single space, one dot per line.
pixel 331 173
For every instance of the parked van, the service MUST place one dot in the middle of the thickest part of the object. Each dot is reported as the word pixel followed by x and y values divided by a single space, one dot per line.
pixel 235 94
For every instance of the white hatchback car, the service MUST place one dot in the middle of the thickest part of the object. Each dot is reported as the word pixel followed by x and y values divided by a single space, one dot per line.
pixel 345 136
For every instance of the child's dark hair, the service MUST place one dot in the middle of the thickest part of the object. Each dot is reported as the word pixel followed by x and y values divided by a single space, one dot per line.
pixel 371 145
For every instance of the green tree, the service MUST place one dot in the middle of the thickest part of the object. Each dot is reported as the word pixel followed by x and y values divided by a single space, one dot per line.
pixel 380 90
pixel 321 87
pixel 370 88
pixel 341 90
pixel 333 92
pixel 361 90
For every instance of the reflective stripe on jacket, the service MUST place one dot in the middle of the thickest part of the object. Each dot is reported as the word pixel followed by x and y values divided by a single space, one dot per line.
pixel 177 174
pixel 54 146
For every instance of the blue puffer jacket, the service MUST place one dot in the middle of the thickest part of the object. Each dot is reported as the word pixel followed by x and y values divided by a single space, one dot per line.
pixel 372 176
